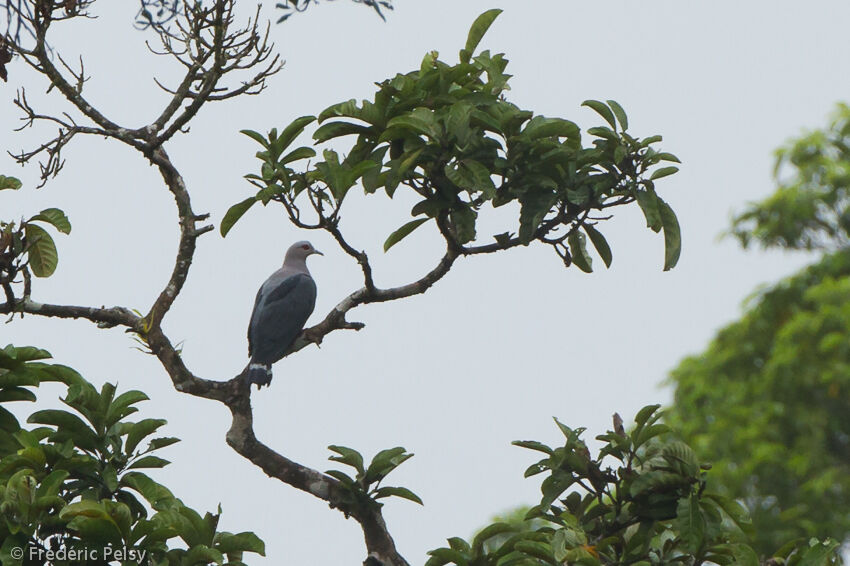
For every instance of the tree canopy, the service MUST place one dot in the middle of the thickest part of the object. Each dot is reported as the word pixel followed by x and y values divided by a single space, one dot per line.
pixel 767 402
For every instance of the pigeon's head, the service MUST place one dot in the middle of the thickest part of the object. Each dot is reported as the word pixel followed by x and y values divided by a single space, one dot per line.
pixel 300 251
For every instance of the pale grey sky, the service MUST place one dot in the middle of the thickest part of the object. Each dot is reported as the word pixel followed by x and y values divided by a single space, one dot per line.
pixel 501 344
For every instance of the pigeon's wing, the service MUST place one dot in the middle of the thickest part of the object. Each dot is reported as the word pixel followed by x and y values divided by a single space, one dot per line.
pixel 279 316
pixel 252 323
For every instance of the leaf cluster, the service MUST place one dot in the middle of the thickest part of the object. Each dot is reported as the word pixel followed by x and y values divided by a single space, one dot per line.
pixel 290 7
pixel 364 489
pixel 76 480
pixel 810 210
pixel 642 500
pixel 26 246
pixel 447 135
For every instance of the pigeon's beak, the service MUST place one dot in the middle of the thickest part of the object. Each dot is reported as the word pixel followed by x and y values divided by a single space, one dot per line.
pixel 317 252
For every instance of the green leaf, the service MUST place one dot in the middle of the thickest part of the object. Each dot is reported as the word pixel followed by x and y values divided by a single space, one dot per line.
pixel 737 512
pixel 672 235
pixel 121 406
pixel 341 476
pixel 347 456
pixel 402 492
pixel 489 532
pixel 14 393
pixel 600 243
pixel 42 254
pixel 578 251
pixel 645 414
pixel 479 27
pixel 819 553
pixel 256 136
pixel 136 432
pixel 289 133
pixel 648 202
pixel 55 217
pixel 203 554
pixel 296 154
pixel 333 130
pixel 148 462
pixel 463 219
pixel 542 127
pixel 162 442
pixel 691 523
pixel 663 172
pixel 441 556
pixel 347 108
pixel 667 157
pixel 9 183
pixel 242 542
pixel 85 508
pixel 65 422
pixel 109 476
pixel 602 110
pixel 420 121
pixel 534 206
pixel 744 555
pixel 234 213
pixel 153 492
pixel 535 549
pixel 51 483
pixel 553 486
pixel 533 445
pixel 620 114
pixel 385 462
pixel 402 232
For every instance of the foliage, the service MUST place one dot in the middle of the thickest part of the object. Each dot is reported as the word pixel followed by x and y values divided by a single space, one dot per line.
pixel 446 134
pixel 290 7
pixel 75 481
pixel 811 207
pixel 768 399
pixel 156 12
pixel 26 247
pixel 769 403
pixel 364 489
pixel 652 507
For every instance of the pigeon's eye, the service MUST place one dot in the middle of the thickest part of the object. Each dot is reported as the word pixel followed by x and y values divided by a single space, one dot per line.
pixel 305 247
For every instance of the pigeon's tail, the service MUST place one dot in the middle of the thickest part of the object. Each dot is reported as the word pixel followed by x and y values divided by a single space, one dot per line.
pixel 258 373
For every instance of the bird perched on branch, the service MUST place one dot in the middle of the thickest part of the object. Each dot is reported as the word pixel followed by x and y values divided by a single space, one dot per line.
pixel 283 305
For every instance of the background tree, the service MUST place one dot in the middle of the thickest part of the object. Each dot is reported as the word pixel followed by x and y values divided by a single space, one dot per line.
pixel 767 402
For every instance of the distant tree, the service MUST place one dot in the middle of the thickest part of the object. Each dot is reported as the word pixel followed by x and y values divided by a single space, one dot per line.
pixel 769 401
pixel 810 209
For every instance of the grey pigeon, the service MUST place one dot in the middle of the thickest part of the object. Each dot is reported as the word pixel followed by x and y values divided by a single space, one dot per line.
pixel 283 305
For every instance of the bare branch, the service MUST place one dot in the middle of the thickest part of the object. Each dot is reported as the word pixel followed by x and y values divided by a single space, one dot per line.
pixel 103 317
pixel 204 42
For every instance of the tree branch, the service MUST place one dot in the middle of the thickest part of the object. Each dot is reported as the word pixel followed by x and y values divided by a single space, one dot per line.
pixel 102 316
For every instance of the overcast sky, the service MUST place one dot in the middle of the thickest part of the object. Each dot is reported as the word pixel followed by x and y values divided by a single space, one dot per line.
pixel 505 341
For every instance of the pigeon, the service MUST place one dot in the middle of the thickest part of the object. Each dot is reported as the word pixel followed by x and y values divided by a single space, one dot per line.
pixel 284 303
